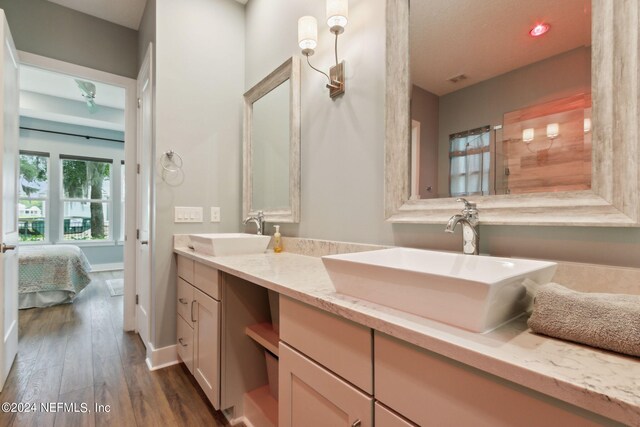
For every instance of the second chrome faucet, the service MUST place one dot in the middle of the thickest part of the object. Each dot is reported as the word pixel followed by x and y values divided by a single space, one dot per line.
pixel 258 220
pixel 470 227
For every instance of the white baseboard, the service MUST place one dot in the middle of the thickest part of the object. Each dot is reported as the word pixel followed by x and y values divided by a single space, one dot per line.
pixel 162 357
pixel 107 267
pixel 241 420
pixel 228 415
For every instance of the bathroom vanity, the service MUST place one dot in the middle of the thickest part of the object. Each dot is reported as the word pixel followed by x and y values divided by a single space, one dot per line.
pixel 344 361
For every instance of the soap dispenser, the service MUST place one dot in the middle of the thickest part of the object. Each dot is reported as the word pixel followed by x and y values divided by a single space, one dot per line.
pixel 277 240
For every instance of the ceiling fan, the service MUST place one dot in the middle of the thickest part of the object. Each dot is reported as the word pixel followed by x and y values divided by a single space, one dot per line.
pixel 88 92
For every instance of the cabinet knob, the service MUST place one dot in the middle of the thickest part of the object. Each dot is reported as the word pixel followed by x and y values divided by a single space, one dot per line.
pixel 181 341
pixel 183 301
pixel 356 423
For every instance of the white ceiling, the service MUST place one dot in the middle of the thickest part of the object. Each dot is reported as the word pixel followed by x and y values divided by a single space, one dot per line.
pixel 123 12
pixel 57 87
pixel 483 39
pixel 37 80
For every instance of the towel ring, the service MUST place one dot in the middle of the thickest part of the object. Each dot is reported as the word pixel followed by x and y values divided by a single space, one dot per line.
pixel 167 159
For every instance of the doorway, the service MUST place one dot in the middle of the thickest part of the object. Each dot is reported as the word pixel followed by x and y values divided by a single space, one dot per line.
pixel 98 93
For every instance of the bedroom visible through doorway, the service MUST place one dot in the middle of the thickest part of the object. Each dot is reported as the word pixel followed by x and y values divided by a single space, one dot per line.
pixel 71 190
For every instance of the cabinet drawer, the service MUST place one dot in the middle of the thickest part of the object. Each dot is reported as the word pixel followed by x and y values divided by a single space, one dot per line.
pixel 342 346
pixel 185 268
pixel 432 390
pixel 386 418
pixel 185 298
pixel 185 343
pixel 207 280
pixel 311 396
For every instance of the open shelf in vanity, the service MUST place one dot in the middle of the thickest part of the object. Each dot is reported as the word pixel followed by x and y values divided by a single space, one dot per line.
pixel 248 338
pixel 261 404
pixel 265 335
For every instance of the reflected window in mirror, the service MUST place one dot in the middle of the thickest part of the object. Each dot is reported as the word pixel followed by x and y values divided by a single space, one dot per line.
pixel 469 163
pixel 474 66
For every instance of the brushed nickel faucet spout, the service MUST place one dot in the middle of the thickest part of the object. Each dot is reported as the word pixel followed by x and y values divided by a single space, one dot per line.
pixel 258 220
pixel 470 227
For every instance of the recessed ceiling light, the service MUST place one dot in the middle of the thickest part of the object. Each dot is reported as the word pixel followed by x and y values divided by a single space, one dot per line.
pixel 539 29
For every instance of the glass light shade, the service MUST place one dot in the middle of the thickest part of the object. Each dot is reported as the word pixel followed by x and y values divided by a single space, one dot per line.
pixel 337 13
pixel 587 125
pixel 553 130
pixel 307 32
pixel 528 135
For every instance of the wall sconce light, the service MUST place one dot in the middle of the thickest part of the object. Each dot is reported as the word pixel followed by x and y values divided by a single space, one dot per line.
pixel 337 18
pixel 553 130
pixel 528 135
pixel 587 125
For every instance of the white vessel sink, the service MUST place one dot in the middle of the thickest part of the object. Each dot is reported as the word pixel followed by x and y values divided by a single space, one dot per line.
pixel 223 244
pixel 477 293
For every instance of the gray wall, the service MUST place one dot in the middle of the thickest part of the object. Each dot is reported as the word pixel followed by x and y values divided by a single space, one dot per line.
pixel 199 88
pixel 147 32
pixel 54 144
pixel 342 139
pixel 54 31
pixel 486 103
pixel 425 108
pixel 343 147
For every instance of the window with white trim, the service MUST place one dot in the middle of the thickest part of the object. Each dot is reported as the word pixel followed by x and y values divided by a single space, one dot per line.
pixel 470 161
pixel 86 198
pixel 33 202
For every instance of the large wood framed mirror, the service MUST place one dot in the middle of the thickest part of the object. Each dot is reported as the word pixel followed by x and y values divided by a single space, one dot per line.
pixel 271 146
pixel 535 130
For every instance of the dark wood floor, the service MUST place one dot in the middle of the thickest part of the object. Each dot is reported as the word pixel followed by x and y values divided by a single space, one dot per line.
pixel 78 353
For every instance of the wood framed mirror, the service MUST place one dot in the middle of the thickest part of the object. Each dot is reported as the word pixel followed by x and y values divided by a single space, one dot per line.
pixel 609 198
pixel 271 146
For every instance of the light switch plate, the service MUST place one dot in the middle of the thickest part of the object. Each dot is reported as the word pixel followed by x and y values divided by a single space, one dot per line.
pixel 215 214
pixel 188 214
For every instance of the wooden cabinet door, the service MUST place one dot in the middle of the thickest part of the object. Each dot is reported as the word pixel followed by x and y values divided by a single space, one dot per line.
pixel 206 358
pixel 312 396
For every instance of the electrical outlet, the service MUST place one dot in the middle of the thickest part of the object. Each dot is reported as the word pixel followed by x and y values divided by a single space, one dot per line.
pixel 183 214
pixel 215 214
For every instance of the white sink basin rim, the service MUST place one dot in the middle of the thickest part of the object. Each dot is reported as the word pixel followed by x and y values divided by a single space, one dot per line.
pixel 225 244
pixel 477 293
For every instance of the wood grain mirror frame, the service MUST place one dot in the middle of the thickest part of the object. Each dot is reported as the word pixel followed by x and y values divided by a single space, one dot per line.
pixel 615 187
pixel 289 70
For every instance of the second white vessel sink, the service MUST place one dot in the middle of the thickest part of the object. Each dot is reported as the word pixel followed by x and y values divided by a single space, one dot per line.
pixel 477 293
pixel 224 244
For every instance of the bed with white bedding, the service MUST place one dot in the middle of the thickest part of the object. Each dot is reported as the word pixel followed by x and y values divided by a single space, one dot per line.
pixel 50 275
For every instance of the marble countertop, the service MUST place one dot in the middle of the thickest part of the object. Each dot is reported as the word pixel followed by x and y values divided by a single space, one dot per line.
pixel 599 381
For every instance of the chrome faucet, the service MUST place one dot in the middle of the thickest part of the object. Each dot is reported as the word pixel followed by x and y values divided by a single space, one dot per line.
pixel 470 227
pixel 258 220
